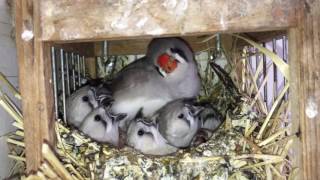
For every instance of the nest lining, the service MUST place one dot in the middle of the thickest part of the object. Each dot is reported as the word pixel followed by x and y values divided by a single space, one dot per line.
pixel 252 144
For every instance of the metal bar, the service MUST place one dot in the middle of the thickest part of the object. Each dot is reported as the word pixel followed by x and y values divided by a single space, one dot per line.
pixel 257 64
pixel 78 70
pixel 265 89
pixel 67 73
pixel 284 49
pixel 114 65
pixel 106 59
pixel 73 72
pixel 63 85
pixel 285 58
pixel 80 67
pixel 218 45
pixel 275 73
pixel 105 50
pixel 83 67
pixel 54 76
pixel 250 57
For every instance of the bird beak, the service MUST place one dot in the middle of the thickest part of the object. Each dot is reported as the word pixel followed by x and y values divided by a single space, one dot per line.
pixel 162 72
pixel 176 56
pixel 195 110
pixel 179 58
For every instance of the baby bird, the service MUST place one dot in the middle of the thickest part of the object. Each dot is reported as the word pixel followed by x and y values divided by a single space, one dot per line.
pixel 102 94
pixel 143 135
pixel 84 100
pixel 178 122
pixel 210 118
pixel 79 105
pixel 102 126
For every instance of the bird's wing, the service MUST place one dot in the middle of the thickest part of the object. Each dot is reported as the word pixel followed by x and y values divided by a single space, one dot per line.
pixel 130 78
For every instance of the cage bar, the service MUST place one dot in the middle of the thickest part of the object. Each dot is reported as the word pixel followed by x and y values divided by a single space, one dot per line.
pixel 265 89
pixel 74 86
pixel 78 71
pixel 275 74
pixel 54 77
pixel 63 88
pixel 67 62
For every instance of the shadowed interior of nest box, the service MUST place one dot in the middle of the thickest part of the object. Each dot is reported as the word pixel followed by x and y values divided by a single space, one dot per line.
pixel 253 142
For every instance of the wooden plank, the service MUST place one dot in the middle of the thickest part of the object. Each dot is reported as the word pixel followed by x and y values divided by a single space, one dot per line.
pixel 265 36
pixel 305 86
pixel 84 48
pixel 139 46
pixel 79 20
pixel 34 82
pixel 297 113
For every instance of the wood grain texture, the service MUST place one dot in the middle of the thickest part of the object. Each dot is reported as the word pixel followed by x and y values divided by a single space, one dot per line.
pixel 304 44
pixel 84 48
pixel 139 46
pixel 79 20
pixel 34 82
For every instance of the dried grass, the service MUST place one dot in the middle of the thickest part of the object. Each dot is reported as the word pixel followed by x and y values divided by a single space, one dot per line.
pixel 252 144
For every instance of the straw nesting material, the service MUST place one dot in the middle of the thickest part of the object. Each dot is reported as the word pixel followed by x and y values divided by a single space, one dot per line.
pixel 252 143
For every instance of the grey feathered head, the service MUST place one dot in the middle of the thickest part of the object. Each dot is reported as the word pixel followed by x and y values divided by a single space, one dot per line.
pixel 102 125
pixel 143 135
pixel 179 121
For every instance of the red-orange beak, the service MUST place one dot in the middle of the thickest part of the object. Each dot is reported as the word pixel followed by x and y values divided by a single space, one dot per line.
pixel 167 63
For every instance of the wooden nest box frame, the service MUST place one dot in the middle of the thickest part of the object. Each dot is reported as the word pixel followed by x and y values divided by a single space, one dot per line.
pixel 39 24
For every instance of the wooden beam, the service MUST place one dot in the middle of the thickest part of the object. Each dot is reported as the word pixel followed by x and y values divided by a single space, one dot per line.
pixel 139 46
pixel 34 81
pixel 265 36
pixel 304 51
pixel 71 20
pixel 84 48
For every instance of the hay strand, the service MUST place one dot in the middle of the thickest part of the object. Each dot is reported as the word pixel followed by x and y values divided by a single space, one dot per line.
pixel 49 155
pixel 281 65
pixel 10 86
pixel 274 106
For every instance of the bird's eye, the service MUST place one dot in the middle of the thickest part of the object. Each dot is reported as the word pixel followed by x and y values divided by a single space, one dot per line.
pixel 97 118
pixel 181 116
pixel 85 98
pixel 140 132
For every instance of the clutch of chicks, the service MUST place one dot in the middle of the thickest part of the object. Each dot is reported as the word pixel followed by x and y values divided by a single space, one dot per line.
pixel 219 157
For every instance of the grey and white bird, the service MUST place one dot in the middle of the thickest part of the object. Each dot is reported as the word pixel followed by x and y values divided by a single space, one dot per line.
pixel 79 104
pixel 167 72
pixel 102 125
pixel 102 94
pixel 178 121
pixel 143 136
pixel 210 118
pixel 84 100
